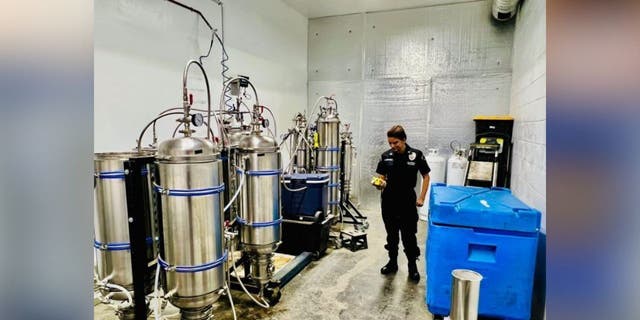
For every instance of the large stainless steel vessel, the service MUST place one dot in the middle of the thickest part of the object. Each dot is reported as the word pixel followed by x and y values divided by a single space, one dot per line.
pixel 259 161
pixel 190 184
pixel 328 125
pixel 234 134
pixel 347 145
pixel 111 227
pixel 300 145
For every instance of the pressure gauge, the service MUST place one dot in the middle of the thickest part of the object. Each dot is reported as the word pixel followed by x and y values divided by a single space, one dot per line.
pixel 197 119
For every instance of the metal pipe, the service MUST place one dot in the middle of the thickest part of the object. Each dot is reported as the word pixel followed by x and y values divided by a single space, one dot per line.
pixel 181 124
pixel 149 124
pixel 465 294
pixel 185 97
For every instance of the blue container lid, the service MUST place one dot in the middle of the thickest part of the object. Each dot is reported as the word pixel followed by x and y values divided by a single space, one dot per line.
pixel 307 176
pixel 487 208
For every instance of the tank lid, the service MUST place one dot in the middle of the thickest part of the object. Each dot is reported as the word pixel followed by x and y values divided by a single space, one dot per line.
pixel 258 142
pixel 328 117
pixel 187 148
pixel 126 155
pixel 235 135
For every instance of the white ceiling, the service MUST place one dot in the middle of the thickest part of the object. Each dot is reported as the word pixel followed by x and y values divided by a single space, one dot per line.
pixel 324 8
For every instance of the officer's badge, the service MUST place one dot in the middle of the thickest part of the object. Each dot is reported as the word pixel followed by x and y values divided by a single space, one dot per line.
pixel 412 156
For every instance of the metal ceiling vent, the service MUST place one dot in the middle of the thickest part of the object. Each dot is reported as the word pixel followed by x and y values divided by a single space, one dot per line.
pixel 504 10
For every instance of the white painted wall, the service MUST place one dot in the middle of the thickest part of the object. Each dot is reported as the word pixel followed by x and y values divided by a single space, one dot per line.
pixel 528 106
pixel 142 46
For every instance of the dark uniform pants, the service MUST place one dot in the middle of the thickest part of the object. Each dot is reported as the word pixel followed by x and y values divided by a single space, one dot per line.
pixel 400 216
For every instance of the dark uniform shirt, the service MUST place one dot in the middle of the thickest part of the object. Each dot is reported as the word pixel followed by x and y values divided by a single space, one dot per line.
pixel 401 171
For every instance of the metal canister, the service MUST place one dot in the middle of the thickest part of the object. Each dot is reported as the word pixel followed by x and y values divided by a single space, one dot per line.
pixel 260 217
pixel 300 144
pixel 191 186
pixel 111 227
pixel 328 125
pixel 465 294
pixel 347 150
pixel 229 154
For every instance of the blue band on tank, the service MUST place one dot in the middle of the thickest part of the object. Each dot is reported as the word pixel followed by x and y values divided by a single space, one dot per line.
pixel 111 246
pixel 110 175
pixel 192 269
pixel 330 168
pixel 259 224
pixel 260 172
pixel 189 192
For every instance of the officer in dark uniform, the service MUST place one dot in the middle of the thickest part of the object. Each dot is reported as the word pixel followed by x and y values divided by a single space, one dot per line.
pixel 398 168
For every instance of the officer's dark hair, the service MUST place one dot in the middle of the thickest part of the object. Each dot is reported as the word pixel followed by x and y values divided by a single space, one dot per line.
pixel 397 132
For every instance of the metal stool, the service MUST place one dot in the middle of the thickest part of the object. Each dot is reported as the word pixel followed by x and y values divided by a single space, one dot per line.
pixel 354 240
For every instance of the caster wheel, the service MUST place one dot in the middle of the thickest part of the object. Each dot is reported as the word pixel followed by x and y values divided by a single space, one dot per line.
pixel 438 317
pixel 273 297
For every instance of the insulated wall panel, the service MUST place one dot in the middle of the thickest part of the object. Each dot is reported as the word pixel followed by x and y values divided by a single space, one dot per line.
pixel 430 69
pixel 431 41
pixel 388 102
pixel 457 100
pixel 335 48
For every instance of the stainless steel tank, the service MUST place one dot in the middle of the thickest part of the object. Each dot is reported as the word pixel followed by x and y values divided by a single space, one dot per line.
pixel 347 144
pixel 299 138
pixel 190 184
pixel 259 216
pixel 111 227
pixel 328 126
pixel 229 154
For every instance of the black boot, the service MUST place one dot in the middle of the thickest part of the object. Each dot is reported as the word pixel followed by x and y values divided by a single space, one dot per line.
pixel 390 267
pixel 413 271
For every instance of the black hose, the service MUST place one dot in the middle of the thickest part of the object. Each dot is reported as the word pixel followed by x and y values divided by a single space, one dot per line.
pixel 193 10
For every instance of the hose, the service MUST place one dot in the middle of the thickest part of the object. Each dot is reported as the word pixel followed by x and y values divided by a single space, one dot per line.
pixel 122 289
pixel 155 292
pixel 315 105
pixel 240 185
pixel 233 308
pixel 266 304
pixel 229 244
pixel 225 78
pixel 275 127
pixel 284 184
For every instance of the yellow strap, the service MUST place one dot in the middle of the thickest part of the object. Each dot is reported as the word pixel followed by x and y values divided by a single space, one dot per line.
pixel 498 117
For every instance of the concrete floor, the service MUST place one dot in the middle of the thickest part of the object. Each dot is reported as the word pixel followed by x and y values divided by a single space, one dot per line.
pixel 340 285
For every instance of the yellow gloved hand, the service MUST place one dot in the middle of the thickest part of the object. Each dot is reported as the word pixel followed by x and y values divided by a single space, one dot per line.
pixel 379 183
